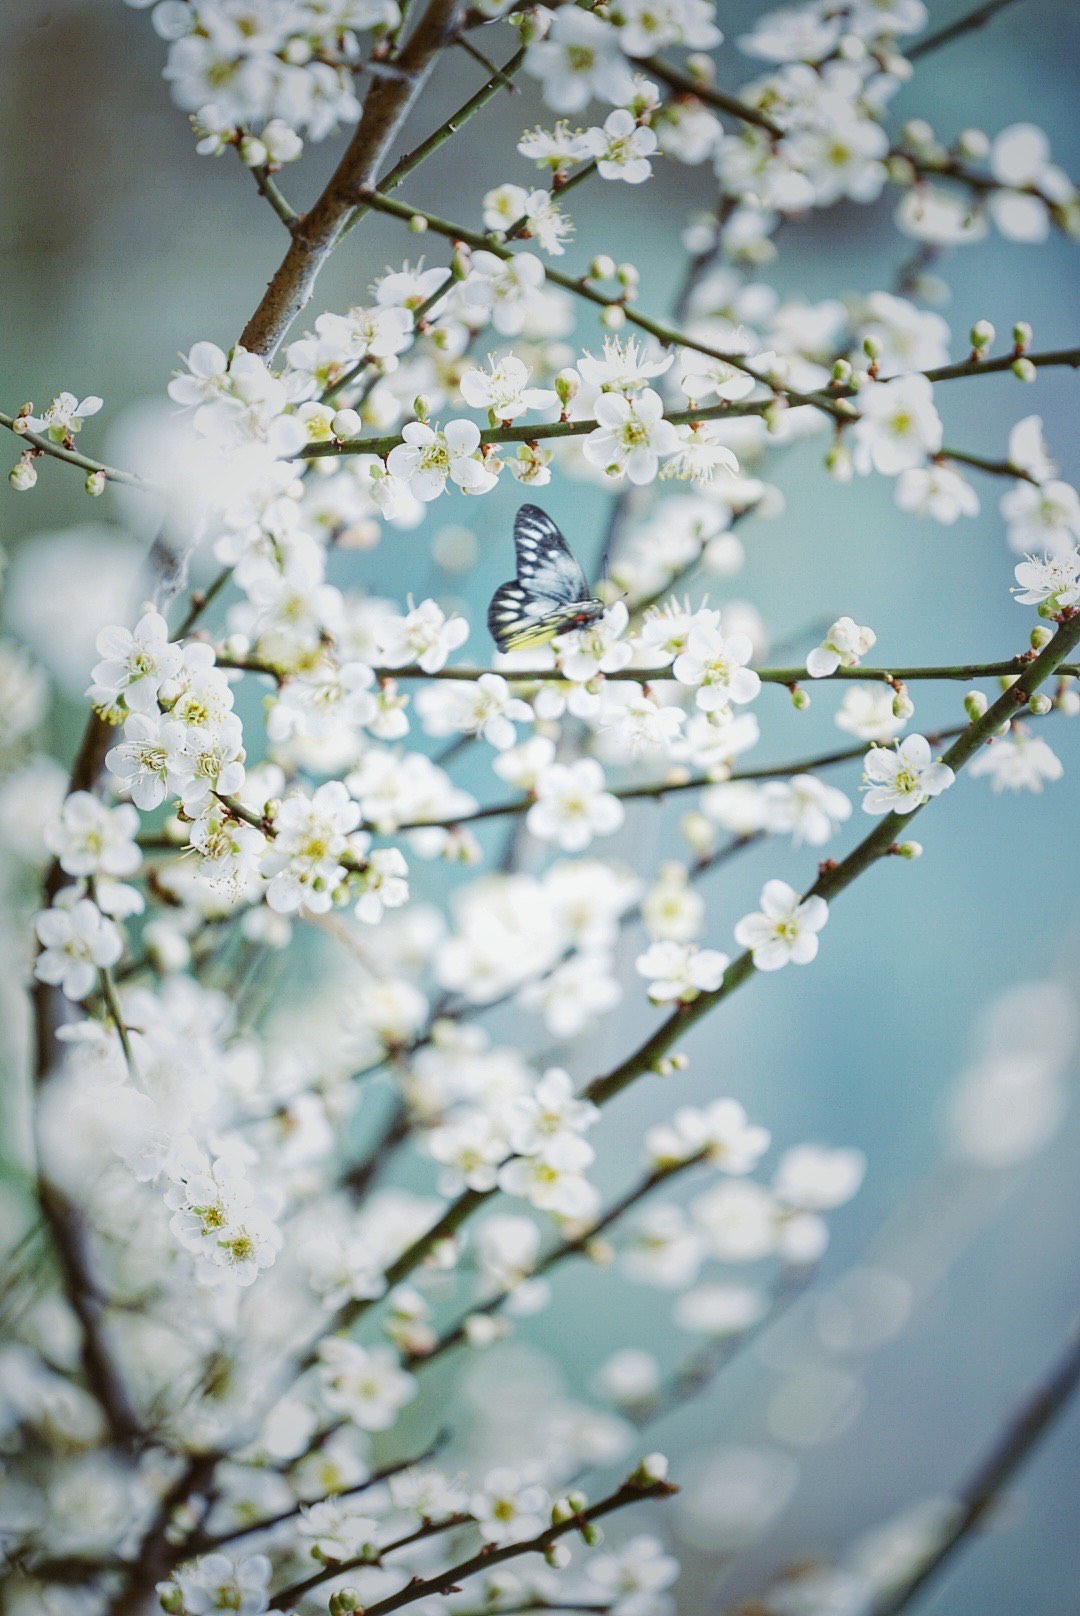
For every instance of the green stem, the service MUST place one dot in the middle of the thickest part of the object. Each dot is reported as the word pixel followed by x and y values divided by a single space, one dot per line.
pixel 267 188
pixel 127 479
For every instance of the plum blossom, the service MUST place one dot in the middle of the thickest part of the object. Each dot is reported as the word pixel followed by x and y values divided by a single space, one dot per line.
pixel 903 778
pixel 90 838
pixel 64 416
pixel 898 425
pixel 311 836
pixel 1042 518
pixel 365 1384
pixel 222 1582
pixel 1018 761
pixel 572 805
pixel 502 290
pixel 578 59
pixel 429 455
pixel 136 664
pixel 483 706
pixel 597 648
pixel 622 148
pixel 631 436
pixel 503 389
pixel 77 941
pixel 425 635
pixel 936 491
pixel 1052 581
pixel 784 929
pixel 843 646
pixel 509 1507
pixel 714 665
pixel 681 971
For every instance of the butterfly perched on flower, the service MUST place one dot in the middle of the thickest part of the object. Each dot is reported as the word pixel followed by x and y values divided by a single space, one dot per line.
pixel 549 596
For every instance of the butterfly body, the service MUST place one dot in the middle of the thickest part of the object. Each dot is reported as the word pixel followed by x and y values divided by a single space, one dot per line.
pixel 549 596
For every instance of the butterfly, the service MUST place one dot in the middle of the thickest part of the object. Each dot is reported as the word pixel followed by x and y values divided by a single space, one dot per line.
pixel 549 596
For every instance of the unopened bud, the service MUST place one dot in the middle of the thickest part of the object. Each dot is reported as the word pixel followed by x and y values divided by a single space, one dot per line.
pixel 902 705
pixel 841 371
pixel 838 463
pixel 253 152
pixel 909 850
pixel 421 406
pixel 345 1602
pixel 95 483
pixel 591 1534
pixel 973 143
pixel 613 318
pixel 1067 701
pixel 975 704
pixel 567 386
pixel 461 264
pixel 171 1599
pixel 602 268
pixel 557 1556
pixel 562 1510
pixel 1023 370
pixel 1040 636
pixel 654 1467
pixel 418 224
pixel 982 335
pixel 1022 334
pixel 23 475
pixel 800 699
pixel 1039 704
pixel 628 276
pixel 871 348
pixel 533 25
pixel 347 424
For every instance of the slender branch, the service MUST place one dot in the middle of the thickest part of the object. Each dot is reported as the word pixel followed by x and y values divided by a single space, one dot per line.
pixel 297 1590
pixel 1015 1445
pixel 963 25
pixel 902 672
pixel 206 1541
pixel 684 84
pixel 835 877
pixel 631 1492
pixel 44 445
pixel 457 1333
pixel 389 102
pixel 995 468
pixel 268 188
pixel 990 367
pixel 832 880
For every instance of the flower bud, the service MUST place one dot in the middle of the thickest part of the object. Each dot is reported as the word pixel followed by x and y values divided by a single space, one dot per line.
pixel 345 1602
pixel 838 462
pixel 418 224
pixel 973 143
pixel 1022 334
pixel 533 25
pixel 628 276
pixel 253 152
pixel 421 406
pixel 1039 704
pixel 909 850
pixel 461 264
pixel 902 705
pixel 975 704
pixel 567 386
pixel 841 371
pixel 557 1556
pixel 613 318
pixel 654 1467
pixel 1024 370
pixel 602 268
pixel 871 348
pixel 1040 636
pixel 1067 701
pixel 95 483
pixel 800 699
pixel 591 1534
pixel 170 1598
pixel 23 475
pixel 347 424
pixel 562 1510
pixel 982 335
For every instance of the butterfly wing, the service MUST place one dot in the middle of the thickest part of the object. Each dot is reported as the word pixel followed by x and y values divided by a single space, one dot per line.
pixel 548 591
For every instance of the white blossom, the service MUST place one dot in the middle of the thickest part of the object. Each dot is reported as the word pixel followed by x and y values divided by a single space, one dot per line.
pixel 784 929
pixel 901 779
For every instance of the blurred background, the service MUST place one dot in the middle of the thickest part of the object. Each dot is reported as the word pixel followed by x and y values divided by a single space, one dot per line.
pixel 951 1281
